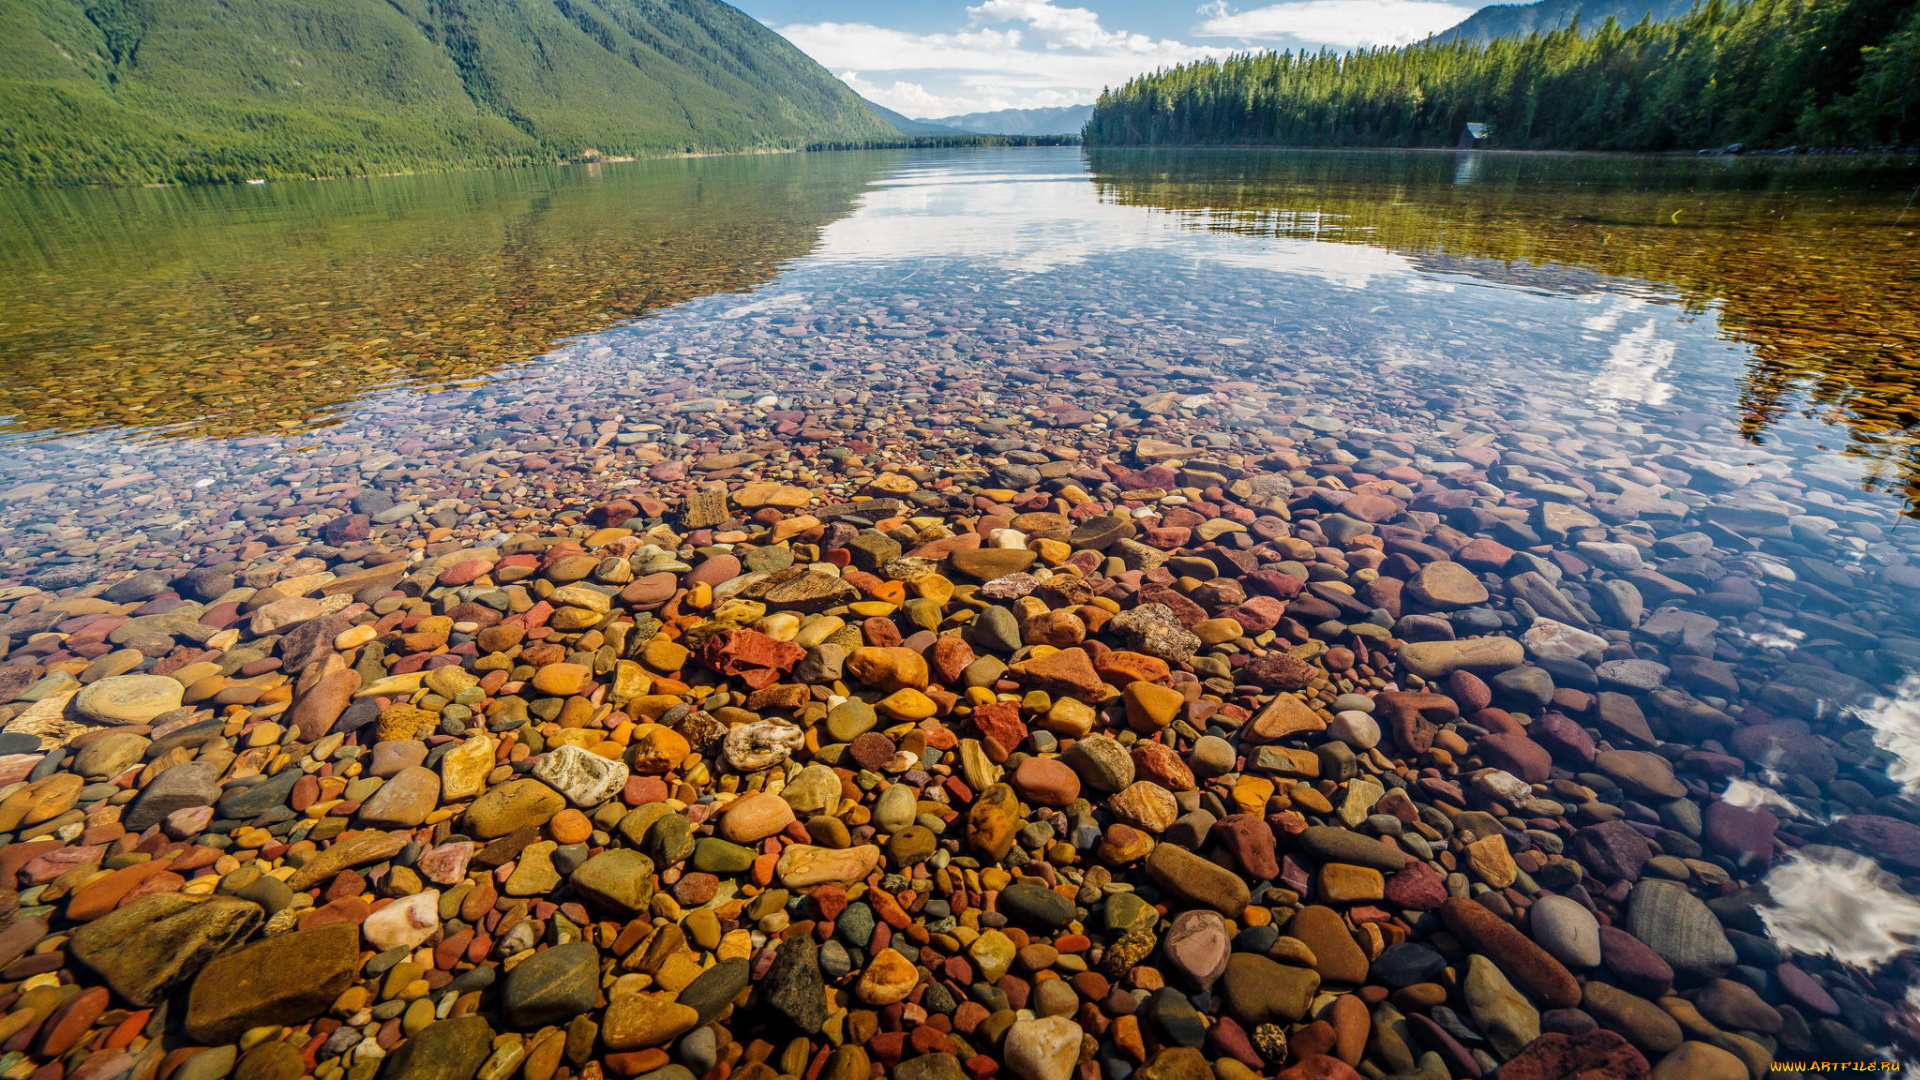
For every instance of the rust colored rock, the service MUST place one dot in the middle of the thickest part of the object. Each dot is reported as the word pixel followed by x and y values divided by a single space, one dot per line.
pixel 1597 1055
pixel 1068 673
pixel 314 712
pixel 1529 967
pixel 1414 717
pixel 752 657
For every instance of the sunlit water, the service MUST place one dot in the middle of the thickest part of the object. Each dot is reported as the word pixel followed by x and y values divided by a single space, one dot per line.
pixel 187 368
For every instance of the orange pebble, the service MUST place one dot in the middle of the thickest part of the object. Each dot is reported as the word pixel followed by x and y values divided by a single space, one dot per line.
pixel 570 826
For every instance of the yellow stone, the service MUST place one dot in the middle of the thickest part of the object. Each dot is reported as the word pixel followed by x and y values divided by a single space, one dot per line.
pixel 1053 552
pixel 872 609
pixel 1250 794
pixel 1492 861
pixel 1216 631
pixel 663 655
pixel 1151 707
pixel 932 587
pixel 907 704
pixel 1342 883
pixel 1070 717
pixel 630 680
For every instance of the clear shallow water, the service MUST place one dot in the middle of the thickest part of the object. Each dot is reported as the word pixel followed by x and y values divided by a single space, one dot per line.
pixel 1722 348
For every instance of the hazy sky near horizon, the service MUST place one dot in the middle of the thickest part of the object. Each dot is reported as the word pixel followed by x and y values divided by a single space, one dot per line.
pixel 929 58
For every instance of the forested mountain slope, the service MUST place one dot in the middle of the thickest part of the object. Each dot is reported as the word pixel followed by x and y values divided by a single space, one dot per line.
pixel 139 90
pixel 1519 20
pixel 1765 73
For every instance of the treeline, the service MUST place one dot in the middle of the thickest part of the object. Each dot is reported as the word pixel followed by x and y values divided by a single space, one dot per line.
pixel 942 142
pixel 1764 73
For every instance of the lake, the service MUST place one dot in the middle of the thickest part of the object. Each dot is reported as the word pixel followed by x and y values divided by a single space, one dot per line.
pixel 1668 408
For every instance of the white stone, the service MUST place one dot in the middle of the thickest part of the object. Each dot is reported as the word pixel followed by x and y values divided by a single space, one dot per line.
pixel 1550 640
pixel 761 744
pixel 585 779
pixel 407 922
pixel 1044 1049
pixel 1356 729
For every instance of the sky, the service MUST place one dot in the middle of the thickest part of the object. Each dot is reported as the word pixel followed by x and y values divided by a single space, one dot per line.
pixel 931 58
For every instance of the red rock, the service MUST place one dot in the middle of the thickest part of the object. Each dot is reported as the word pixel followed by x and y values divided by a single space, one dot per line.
pixel 1046 781
pixel 314 712
pixel 752 657
pixel 1319 1067
pixel 1530 968
pixel 1120 667
pixel 1597 1055
pixel 1418 887
pixel 1516 754
pixel 1159 763
pixel 1414 717
pixel 1068 672
pixel 1000 721
pixel 1274 583
pixel 949 656
pixel 1469 690
pixel 1251 842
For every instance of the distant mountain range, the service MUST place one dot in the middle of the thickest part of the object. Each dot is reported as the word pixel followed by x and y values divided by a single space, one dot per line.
pixel 1519 20
pixel 1065 120
pixel 140 90
pixel 908 125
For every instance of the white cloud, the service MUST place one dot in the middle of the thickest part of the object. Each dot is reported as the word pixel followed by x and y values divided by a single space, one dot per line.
pixel 1343 24
pixel 915 100
pixel 1009 54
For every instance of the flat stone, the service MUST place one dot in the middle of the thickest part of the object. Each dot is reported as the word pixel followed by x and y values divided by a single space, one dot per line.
pixel 450 1049
pixel 147 948
pixel 287 979
pixel 553 985
pixel 1681 929
pixel 128 699
pixel 1197 880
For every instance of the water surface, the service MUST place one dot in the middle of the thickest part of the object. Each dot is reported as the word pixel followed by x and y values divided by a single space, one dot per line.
pixel 1716 354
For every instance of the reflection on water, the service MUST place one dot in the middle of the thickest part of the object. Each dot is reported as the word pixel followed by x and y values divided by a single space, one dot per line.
pixel 232 311
pixel 1809 263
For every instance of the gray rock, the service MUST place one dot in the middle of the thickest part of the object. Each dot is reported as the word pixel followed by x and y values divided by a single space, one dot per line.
pixel 794 986
pixel 1680 930
pixel 553 985
pixel 714 989
pixel 189 784
pixel 1102 763
pixel 451 1049
pixel 1566 930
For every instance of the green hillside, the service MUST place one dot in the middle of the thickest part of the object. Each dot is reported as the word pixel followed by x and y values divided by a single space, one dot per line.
pixel 130 91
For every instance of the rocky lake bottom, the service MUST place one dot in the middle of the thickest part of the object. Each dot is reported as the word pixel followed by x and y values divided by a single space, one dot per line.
pixel 970 614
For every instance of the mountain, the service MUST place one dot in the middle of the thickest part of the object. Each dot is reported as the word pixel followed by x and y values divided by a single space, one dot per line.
pixel 1519 20
pixel 910 126
pixel 1066 120
pixel 140 90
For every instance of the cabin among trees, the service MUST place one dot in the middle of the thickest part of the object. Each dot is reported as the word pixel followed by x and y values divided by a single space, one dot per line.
pixel 1475 136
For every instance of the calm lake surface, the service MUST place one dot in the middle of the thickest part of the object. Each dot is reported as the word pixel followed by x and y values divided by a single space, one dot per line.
pixel 1718 357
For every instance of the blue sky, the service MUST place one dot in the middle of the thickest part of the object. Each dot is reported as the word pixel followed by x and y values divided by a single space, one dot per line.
pixel 931 58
